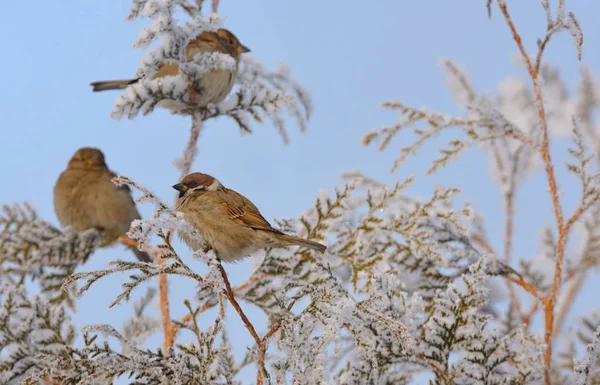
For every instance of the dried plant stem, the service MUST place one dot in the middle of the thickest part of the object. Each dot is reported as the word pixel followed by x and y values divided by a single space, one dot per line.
pixel 210 305
pixel 191 148
pixel 528 287
pixel 163 289
pixel 260 343
pixel 549 168
pixel 163 286
pixel 563 228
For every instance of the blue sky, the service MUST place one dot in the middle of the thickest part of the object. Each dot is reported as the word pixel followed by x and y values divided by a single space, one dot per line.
pixel 350 56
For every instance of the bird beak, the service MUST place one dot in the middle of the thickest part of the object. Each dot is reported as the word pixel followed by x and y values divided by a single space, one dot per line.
pixel 180 187
pixel 92 162
pixel 244 49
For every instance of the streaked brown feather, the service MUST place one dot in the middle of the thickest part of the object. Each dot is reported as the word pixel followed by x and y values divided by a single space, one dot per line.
pixel 243 211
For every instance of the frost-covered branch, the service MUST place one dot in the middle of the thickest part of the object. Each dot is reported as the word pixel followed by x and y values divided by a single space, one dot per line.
pixel 586 368
pixel 31 248
pixel 34 334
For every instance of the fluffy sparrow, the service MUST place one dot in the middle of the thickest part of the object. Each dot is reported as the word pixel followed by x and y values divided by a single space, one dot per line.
pixel 213 87
pixel 85 198
pixel 228 221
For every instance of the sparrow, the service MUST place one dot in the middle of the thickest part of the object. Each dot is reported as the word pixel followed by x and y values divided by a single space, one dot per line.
pixel 85 198
pixel 213 87
pixel 229 223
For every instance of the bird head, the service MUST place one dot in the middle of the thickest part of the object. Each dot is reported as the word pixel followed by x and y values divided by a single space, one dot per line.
pixel 196 182
pixel 87 157
pixel 231 43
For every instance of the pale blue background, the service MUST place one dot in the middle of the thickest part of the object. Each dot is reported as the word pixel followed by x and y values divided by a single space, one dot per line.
pixel 351 55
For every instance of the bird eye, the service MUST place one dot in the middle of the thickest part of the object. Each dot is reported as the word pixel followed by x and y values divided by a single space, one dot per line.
pixel 192 184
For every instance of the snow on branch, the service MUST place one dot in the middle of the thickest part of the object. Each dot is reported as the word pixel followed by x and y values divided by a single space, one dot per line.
pixel 31 248
pixel 262 94
pixel 202 362
pixel 587 368
pixel 35 334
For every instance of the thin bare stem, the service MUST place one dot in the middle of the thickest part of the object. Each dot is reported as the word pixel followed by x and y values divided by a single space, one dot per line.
pixel 191 149
pixel 528 287
pixel 549 168
pixel 163 293
pixel 262 371
pixel 210 305
pixel 163 286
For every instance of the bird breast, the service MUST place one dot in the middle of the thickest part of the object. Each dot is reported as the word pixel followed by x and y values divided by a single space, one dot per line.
pixel 214 86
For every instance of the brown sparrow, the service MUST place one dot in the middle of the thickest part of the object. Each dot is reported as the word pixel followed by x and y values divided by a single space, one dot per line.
pixel 214 86
pixel 85 198
pixel 229 223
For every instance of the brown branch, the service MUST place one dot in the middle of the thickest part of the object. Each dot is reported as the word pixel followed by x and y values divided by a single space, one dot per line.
pixel 163 292
pixel 528 287
pixel 580 211
pixel 191 148
pixel 549 168
pixel 164 309
pixel 209 305
pixel 262 371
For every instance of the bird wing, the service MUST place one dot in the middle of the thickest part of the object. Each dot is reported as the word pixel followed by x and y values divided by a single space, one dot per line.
pixel 244 212
pixel 166 69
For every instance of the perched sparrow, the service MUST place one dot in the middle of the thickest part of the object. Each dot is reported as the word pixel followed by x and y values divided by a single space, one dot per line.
pixel 214 85
pixel 85 198
pixel 228 221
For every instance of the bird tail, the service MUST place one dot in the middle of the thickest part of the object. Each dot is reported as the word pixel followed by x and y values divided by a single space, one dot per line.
pixel 142 255
pixel 291 240
pixel 112 84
